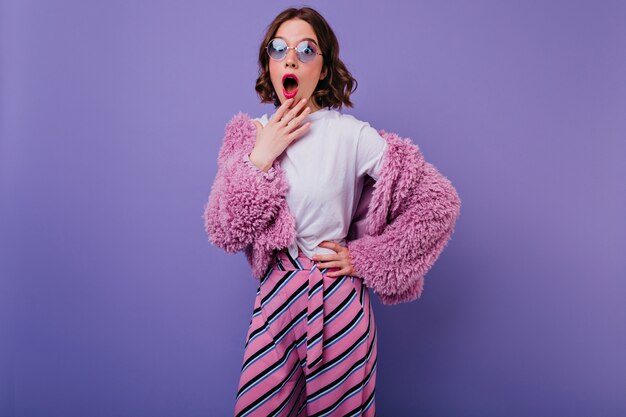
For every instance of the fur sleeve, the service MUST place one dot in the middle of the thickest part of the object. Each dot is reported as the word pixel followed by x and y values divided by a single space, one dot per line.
pixel 243 200
pixel 422 213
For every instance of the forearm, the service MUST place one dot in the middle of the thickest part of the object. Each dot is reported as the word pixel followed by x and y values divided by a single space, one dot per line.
pixel 394 263
pixel 243 202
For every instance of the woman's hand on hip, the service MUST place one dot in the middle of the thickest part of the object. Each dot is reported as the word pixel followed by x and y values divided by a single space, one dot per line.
pixel 340 260
pixel 282 129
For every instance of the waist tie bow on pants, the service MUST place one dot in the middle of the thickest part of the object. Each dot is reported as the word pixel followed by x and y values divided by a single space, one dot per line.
pixel 311 345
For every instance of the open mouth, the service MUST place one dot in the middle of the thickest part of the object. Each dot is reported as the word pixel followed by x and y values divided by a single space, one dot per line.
pixel 290 85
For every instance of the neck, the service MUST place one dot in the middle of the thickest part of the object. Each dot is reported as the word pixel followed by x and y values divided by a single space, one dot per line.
pixel 314 107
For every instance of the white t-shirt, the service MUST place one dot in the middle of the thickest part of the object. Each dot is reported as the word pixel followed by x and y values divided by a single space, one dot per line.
pixel 325 170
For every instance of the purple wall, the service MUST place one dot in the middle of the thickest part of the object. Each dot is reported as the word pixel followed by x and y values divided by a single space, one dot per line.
pixel 113 303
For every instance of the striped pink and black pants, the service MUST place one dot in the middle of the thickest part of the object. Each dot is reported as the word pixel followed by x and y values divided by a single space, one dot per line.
pixel 311 346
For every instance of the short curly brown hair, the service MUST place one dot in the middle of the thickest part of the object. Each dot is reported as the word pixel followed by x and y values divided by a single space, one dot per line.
pixel 334 90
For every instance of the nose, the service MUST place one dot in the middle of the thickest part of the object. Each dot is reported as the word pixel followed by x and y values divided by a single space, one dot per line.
pixel 291 60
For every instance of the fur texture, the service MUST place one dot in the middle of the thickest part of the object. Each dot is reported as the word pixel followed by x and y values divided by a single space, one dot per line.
pixel 406 217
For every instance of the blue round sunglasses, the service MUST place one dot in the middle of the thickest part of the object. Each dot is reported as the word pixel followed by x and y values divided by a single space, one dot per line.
pixel 306 50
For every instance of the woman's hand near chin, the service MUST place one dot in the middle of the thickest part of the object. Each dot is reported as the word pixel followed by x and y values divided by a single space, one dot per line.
pixel 281 130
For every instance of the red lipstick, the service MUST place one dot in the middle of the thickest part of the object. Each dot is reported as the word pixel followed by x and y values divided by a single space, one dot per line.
pixel 289 80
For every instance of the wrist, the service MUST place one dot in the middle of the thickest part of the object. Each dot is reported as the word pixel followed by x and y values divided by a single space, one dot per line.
pixel 261 164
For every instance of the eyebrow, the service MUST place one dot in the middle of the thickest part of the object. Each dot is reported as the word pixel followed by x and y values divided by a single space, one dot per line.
pixel 303 39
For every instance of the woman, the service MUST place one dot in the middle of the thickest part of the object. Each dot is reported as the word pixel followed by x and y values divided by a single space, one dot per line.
pixel 324 207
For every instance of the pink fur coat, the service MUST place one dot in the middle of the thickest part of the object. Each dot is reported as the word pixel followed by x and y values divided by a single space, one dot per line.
pixel 402 223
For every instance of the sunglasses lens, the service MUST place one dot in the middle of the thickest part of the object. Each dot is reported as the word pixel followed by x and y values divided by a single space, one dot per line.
pixel 277 49
pixel 306 51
